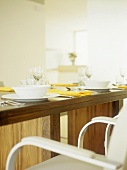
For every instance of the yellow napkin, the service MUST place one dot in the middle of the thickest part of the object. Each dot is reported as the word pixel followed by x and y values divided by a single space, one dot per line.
pixel 70 93
pixel 6 89
pixel 64 85
pixel 123 87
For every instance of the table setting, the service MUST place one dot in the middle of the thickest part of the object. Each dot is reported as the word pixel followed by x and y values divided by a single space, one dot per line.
pixel 33 89
pixel 36 93
pixel 36 88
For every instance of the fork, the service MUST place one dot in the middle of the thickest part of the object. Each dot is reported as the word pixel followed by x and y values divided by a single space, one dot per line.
pixel 12 103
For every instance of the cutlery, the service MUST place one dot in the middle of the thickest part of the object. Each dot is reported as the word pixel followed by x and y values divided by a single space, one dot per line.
pixel 64 96
pixel 12 103
pixel 75 89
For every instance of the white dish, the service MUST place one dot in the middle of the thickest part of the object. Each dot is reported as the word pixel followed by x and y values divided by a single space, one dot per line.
pixel 28 99
pixel 96 84
pixel 98 89
pixel 116 89
pixel 92 88
pixel 31 90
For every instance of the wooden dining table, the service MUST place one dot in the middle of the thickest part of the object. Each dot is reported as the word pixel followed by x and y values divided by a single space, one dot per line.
pixel 43 119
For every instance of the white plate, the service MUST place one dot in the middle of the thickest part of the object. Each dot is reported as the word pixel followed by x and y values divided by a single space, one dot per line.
pixel 116 89
pixel 28 99
pixel 98 89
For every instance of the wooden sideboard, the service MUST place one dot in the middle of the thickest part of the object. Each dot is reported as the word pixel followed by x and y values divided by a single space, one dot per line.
pixel 64 74
pixel 43 119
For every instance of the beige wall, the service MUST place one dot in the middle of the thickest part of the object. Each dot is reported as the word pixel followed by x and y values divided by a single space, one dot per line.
pixel 21 39
pixel 63 19
pixel 23 34
pixel 22 42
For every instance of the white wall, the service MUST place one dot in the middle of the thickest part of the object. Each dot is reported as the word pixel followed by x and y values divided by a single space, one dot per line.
pixel 107 37
pixel 21 39
pixel 63 18
pixel 22 35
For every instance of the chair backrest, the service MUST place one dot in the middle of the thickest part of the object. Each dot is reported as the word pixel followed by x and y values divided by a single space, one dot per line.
pixel 118 143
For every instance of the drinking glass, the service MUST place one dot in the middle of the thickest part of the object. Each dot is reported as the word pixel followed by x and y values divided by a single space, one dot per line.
pixel 36 73
pixel 88 72
pixel 118 80
pixel 81 74
pixel 122 73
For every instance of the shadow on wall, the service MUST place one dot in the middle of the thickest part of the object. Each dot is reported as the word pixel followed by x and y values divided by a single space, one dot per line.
pixel 1 83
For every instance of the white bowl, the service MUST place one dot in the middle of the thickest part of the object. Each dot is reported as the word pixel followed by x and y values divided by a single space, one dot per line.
pixel 96 84
pixel 31 90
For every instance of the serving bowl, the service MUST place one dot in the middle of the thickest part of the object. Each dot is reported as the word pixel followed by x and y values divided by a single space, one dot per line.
pixel 96 84
pixel 31 90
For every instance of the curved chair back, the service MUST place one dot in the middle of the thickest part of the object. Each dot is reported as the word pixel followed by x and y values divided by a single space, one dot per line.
pixel 118 142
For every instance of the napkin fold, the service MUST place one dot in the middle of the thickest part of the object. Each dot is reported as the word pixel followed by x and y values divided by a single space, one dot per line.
pixel 123 87
pixel 6 89
pixel 70 93
pixel 63 85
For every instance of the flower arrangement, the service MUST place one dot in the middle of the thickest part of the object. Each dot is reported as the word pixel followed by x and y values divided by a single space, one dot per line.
pixel 72 57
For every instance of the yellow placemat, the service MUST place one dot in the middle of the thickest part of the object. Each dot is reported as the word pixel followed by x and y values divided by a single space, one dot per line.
pixel 123 87
pixel 6 89
pixel 64 85
pixel 70 93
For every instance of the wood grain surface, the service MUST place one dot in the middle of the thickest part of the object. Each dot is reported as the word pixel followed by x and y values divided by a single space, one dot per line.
pixel 43 119
pixel 94 137
pixel 11 114
pixel 12 134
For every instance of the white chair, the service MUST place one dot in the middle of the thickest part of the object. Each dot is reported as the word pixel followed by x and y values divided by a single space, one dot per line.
pixel 73 158
pixel 100 119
